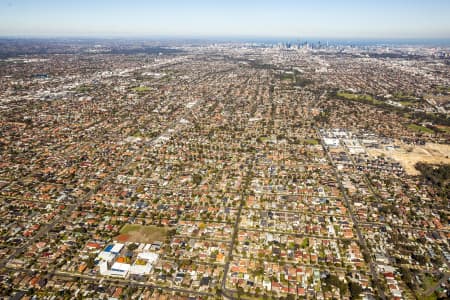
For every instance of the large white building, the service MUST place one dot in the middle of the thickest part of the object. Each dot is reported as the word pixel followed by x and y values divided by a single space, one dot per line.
pixel 110 267
pixel 119 269
pixel 139 268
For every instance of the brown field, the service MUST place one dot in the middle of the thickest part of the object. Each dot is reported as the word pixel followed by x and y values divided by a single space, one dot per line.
pixel 440 99
pixel 408 155
pixel 142 234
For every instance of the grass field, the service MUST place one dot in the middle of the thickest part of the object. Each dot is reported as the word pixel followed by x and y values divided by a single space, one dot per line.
pixel 311 142
pixel 429 282
pixel 83 89
pixel 358 97
pixel 405 102
pixel 141 89
pixel 418 128
pixel 431 297
pixel 143 234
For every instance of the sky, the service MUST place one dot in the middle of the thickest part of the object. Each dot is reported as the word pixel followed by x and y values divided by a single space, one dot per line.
pixel 370 19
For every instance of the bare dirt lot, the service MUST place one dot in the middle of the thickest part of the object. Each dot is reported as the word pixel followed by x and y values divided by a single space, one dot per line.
pixel 142 234
pixel 408 155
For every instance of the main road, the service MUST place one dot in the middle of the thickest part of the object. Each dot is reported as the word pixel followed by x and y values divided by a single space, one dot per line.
pixel 361 239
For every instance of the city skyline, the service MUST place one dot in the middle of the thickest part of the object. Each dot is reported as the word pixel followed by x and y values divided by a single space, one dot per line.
pixel 321 19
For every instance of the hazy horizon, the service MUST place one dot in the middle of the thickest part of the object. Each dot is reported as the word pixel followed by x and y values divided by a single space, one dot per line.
pixel 201 19
pixel 241 39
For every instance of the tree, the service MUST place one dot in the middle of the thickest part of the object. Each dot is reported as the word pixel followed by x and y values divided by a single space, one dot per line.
pixel 257 290
pixel 407 277
pixel 218 291
pixel 355 289
pixel 240 292
pixel 132 246
pixel 90 263
pixel 197 179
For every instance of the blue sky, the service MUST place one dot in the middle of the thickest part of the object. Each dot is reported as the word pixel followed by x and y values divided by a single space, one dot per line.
pixel 227 18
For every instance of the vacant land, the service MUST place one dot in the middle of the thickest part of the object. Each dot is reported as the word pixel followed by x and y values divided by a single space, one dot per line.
pixel 439 99
pixel 419 128
pixel 358 97
pixel 408 155
pixel 142 234
pixel 445 129
pixel 311 142
pixel 141 89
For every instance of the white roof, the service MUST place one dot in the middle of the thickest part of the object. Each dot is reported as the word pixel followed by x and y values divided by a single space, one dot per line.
pixel 116 248
pixel 117 266
pixel 141 269
pixel 106 256
pixel 329 141
pixel 150 256
pixel 104 268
